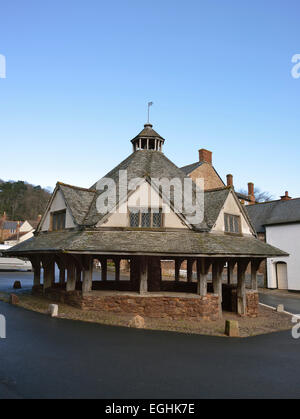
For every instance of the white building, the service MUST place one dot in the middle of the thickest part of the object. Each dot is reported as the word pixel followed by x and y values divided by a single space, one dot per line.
pixel 279 223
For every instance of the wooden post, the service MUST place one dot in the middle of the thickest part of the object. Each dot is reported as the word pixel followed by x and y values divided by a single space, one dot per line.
pixel 217 270
pixel 241 288
pixel 143 274
pixel 37 273
pixel 48 274
pixel 202 271
pixel 230 268
pixel 62 276
pixel 87 275
pixel 36 266
pixel 78 275
pixel 117 269
pixel 177 269
pixel 255 263
pixel 71 279
pixel 189 270
pixel 104 269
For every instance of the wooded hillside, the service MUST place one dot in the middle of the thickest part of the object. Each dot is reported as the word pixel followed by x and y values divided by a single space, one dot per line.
pixel 22 201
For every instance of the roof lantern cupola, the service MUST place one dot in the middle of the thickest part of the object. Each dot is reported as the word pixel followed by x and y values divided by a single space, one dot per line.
pixel 148 139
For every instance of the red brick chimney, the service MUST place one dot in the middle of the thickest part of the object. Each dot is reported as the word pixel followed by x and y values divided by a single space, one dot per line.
pixel 285 197
pixel 229 180
pixel 251 193
pixel 205 156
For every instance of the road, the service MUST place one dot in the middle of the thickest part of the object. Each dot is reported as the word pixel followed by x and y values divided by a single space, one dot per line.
pixel 291 304
pixel 55 358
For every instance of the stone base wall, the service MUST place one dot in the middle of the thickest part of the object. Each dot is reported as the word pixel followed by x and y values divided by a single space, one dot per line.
pixel 252 300
pixel 156 307
pixel 179 308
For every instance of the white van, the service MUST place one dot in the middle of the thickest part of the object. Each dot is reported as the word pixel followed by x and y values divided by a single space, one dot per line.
pixel 13 264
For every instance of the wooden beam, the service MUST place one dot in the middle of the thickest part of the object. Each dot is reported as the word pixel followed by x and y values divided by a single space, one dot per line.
pixel 241 288
pixel 230 268
pixel 71 279
pixel 189 270
pixel 117 269
pixel 143 274
pixel 103 262
pixel 87 276
pixel 62 276
pixel 203 266
pixel 255 264
pixel 178 262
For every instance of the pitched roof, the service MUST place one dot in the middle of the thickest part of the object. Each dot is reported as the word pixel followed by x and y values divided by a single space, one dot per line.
pixel 191 167
pixel 148 164
pixel 148 132
pixel 147 242
pixel 274 212
pixel 78 200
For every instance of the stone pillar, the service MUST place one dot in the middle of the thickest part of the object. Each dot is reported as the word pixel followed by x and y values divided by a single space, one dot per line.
pixel 241 288
pixel 202 271
pixel 230 268
pixel 177 269
pixel 87 275
pixel 189 270
pixel 117 269
pixel 71 279
pixel 143 274
pixel 103 269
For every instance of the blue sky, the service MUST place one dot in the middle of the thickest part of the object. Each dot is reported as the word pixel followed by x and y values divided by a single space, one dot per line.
pixel 79 75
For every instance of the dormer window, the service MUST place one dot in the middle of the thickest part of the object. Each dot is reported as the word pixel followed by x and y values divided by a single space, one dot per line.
pixel 145 218
pixel 58 220
pixel 232 224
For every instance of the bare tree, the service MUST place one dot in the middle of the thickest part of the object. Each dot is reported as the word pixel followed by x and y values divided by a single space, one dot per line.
pixel 260 196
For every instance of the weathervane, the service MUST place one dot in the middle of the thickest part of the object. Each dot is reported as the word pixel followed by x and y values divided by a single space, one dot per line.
pixel 149 104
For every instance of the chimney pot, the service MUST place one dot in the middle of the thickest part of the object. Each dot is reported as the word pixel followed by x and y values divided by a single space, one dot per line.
pixel 285 197
pixel 205 156
pixel 229 180
pixel 251 192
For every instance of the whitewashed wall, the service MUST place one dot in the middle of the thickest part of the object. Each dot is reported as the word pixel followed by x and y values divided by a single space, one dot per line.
pixel 58 204
pixel 143 197
pixel 231 207
pixel 287 238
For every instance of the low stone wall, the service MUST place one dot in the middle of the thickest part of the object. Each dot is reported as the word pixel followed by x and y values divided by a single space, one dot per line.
pixel 156 307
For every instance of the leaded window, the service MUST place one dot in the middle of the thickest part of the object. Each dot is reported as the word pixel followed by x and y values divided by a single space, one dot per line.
pixel 134 218
pixel 157 219
pixel 58 220
pixel 145 218
pixel 232 223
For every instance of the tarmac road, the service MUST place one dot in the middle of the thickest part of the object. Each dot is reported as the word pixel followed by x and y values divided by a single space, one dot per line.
pixel 291 304
pixel 55 358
